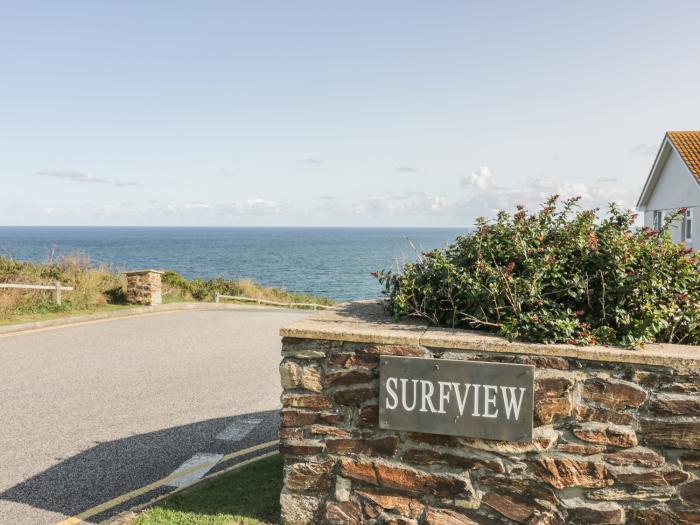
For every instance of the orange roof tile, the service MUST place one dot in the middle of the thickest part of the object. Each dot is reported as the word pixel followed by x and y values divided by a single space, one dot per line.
pixel 688 145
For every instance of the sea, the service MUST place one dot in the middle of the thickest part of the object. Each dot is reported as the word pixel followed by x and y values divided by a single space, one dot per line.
pixel 330 262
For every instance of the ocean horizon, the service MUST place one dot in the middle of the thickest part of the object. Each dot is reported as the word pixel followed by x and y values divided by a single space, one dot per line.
pixel 334 262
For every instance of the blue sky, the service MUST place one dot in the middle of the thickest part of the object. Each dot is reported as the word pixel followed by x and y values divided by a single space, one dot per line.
pixel 333 114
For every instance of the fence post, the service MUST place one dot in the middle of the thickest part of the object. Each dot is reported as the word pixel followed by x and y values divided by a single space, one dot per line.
pixel 216 298
pixel 57 293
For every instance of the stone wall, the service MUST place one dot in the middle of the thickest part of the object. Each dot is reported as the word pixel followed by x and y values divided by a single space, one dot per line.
pixel 616 441
pixel 144 287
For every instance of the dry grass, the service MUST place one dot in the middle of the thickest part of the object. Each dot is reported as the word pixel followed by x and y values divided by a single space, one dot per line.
pixel 93 286
pixel 97 286
pixel 178 288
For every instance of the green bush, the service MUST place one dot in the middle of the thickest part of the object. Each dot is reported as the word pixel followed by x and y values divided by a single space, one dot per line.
pixel 561 275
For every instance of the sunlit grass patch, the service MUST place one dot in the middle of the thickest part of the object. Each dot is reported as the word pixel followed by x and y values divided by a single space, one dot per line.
pixel 249 496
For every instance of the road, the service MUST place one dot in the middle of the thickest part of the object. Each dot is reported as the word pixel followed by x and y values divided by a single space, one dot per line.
pixel 93 411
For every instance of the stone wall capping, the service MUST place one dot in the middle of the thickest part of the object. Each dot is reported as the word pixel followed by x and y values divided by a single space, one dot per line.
pixel 144 271
pixel 615 432
pixel 358 322
pixel 367 322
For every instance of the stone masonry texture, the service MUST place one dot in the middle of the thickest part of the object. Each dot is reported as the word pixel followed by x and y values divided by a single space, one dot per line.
pixel 143 287
pixel 613 443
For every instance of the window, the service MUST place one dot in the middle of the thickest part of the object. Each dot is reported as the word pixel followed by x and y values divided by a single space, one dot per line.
pixel 687 227
pixel 658 219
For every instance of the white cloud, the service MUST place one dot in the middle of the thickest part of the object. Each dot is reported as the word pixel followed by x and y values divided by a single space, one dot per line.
pixel 125 183
pixel 195 210
pixel 310 162
pixel 485 197
pixel 252 206
pixel 488 199
pixel 77 176
pixel 258 206
pixel 479 179
pixel 408 204
pixel 198 206
pixel 112 211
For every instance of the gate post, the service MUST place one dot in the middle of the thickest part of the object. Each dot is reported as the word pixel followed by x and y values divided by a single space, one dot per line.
pixel 144 287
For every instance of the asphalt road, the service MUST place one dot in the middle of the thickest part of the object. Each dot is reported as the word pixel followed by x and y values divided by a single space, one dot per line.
pixel 93 411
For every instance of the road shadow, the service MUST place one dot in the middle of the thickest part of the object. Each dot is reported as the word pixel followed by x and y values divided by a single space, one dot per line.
pixel 110 469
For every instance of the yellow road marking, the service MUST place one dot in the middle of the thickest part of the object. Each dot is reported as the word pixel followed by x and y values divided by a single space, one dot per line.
pixel 245 451
pixel 205 478
pixel 98 509
pixel 238 465
pixel 91 321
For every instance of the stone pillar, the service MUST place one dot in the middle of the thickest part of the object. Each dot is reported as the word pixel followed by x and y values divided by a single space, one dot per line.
pixel 143 287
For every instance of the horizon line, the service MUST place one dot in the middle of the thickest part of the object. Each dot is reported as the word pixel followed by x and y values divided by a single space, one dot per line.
pixel 206 226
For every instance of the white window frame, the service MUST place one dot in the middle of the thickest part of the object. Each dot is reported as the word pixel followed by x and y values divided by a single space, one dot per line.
pixel 658 219
pixel 687 226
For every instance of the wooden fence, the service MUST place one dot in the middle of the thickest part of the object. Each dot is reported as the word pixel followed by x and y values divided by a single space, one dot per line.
pixel 56 287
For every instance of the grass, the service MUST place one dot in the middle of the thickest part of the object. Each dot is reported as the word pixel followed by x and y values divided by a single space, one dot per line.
pixel 46 316
pixel 177 287
pixel 101 288
pixel 249 496
pixel 93 287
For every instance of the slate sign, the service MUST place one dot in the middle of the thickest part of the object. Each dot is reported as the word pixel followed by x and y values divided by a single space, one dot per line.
pixel 456 398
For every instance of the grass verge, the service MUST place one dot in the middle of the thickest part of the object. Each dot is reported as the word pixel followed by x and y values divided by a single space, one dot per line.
pixel 61 314
pixel 248 496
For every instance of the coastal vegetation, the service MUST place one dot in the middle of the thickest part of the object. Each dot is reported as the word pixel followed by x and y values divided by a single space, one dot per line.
pixel 178 288
pixel 101 287
pixel 559 275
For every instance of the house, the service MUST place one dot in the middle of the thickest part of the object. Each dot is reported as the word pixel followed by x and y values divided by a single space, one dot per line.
pixel 674 183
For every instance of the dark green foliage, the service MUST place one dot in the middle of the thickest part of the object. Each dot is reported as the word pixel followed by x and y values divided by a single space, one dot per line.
pixel 561 275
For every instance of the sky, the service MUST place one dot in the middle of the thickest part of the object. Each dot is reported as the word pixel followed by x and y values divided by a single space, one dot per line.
pixel 360 113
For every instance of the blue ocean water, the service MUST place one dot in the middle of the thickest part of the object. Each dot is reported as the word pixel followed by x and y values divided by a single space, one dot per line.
pixel 332 262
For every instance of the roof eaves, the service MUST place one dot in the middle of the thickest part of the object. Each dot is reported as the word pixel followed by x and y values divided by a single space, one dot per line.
pixel 643 197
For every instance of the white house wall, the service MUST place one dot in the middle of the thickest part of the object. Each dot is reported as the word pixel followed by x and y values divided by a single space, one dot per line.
pixel 675 188
pixel 649 222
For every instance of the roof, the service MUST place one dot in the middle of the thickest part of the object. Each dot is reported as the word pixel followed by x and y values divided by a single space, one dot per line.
pixel 687 144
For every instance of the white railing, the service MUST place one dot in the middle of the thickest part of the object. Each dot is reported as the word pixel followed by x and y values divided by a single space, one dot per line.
pixel 56 287
pixel 314 306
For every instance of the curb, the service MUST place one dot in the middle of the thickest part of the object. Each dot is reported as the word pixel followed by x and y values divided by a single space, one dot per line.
pixel 127 517
pixel 131 312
